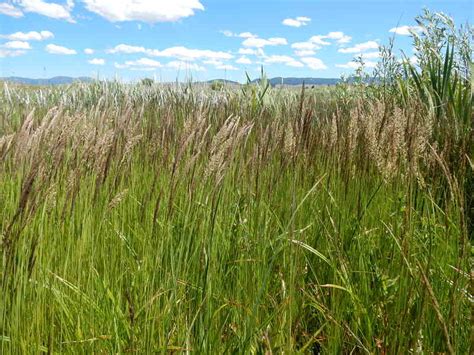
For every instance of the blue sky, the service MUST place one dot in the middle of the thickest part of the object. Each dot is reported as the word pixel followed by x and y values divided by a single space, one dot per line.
pixel 203 39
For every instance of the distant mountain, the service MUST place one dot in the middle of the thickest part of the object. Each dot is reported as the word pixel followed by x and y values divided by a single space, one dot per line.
pixel 57 80
pixel 299 81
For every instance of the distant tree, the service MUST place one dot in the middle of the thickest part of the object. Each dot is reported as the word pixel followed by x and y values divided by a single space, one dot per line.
pixel 147 82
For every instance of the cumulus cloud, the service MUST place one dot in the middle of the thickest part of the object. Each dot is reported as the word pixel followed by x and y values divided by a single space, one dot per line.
pixel 88 51
pixel 141 64
pixel 11 53
pixel 212 62
pixel 304 52
pixel 55 49
pixel 126 49
pixel 296 22
pixel 305 49
pixel 360 47
pixel 355 65
pixel 243 60
pixel 250 51
pixel 228 33
pixel 182 65
pixel 283 59
pixel 150 11
pixel 339 36
pixel 178 52
pixel 219 64
pixel 17 45
pixel 53 10
pixel 10 10
pixel 246 35
pixel 305 46
pixel 314 63
pixel 226 67
pixel 309 47
pixel 262 42
pixel 29 36
pixel 319 40
pixel 370 55
pixel 405 30
pixel 96 61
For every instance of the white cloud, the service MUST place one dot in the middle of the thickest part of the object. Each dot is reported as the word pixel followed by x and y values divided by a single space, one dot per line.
pixel 214 62
pixel 228 33
pixel 355 65
pixel 10 10
pixel 126 49
pixel 140 64
pixel 53 10
pixel 17 45
pixel 181 65
pixel 405 30
pixel 319 40
pixel 296 22
pixel 226 67
pixel 250 51
pixel 361 47
pixel 54 49
pixel 29 36
pixel 314 63
pixel 179 52
pixel 11 53
pixel 283 59
pixel 305 46
pixel 370 55
pixel 246 35
pixel 305 49
pixel 261 42
pixel 305 53
pixel 150 11
pixel 243 60
pixel 340 37
pixel 146 62
pixel 96 61
pixel 220 65
pixel 88 51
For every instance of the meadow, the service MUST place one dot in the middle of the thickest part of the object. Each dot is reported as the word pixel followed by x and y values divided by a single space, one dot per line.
pixel 151 218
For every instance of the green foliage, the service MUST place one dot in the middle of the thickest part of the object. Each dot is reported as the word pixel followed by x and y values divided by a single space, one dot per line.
pixel 217 85
pixel 147 82
pixel 255 92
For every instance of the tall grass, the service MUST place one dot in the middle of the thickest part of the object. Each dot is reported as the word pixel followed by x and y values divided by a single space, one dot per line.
pixel 145 218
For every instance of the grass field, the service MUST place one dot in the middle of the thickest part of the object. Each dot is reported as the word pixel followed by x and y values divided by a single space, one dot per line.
pixel 149 218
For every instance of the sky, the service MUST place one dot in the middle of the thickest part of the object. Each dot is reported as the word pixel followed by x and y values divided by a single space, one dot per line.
pixel 205 39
